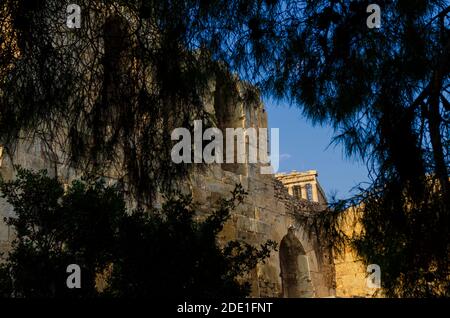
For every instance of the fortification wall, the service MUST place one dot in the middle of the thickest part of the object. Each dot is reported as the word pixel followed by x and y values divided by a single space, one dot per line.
pixel 267 213
pixel 301 267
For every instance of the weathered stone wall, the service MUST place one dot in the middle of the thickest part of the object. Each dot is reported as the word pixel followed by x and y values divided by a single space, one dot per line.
pixel 351 276
pixel 267 213
pixel 321 256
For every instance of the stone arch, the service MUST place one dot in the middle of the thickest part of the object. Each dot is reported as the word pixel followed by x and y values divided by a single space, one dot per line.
pixel 294 266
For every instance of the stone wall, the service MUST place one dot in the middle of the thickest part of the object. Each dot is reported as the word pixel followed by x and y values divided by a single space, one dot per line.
pixel 268 212
pixel 351 276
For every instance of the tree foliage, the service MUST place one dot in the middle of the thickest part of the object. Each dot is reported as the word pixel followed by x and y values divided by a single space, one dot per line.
pixel 131 254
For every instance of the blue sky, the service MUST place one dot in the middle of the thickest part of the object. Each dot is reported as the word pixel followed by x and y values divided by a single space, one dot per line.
pixel 306 147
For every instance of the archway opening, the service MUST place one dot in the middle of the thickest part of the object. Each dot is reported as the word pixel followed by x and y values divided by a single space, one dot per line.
pixel 295 274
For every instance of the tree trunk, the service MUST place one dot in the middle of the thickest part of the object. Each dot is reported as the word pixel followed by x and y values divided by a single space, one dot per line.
pixel 434 124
